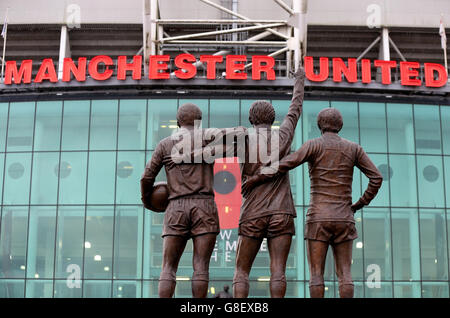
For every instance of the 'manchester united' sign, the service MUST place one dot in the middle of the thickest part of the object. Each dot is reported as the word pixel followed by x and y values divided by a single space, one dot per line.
pixel 435 75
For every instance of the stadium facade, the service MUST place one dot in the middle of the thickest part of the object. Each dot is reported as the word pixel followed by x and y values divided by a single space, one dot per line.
pixel 90 88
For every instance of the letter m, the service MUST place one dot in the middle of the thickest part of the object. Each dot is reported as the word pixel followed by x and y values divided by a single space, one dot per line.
pixel 23 73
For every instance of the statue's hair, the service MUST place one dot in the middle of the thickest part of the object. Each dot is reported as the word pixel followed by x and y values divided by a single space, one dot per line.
pixel 261 112
pixel 187 114
pixel 330 119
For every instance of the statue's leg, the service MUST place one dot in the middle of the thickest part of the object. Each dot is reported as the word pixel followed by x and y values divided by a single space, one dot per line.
pixel 317 252
pixel 173 247
pixel 203 248
pixel 343 258
pixel 247 249
pixel 279 247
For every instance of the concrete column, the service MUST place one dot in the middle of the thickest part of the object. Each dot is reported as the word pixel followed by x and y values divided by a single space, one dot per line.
pixel 64 50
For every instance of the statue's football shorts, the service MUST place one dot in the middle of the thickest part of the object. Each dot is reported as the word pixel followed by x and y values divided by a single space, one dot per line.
pixel 191 216
pixel 268 226
pixel 333 232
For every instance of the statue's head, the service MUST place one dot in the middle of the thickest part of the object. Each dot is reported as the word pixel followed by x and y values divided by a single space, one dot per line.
pixel 226 288
pixel 187 115
pixel 330 119
pixel 261 112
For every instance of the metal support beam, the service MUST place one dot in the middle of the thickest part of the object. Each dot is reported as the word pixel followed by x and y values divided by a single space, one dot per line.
pixel 150 14
pixel 368 48
pixel 246 42
pixel 384 48
pixel 219 21
pixel 64 50
pixel 299 40
pixel 285 6
pixel 276 53
pixel 397 50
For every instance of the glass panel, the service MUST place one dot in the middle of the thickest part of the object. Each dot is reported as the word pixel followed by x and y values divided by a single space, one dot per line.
pixel 203 105
pixel 75 130
pixel 124 289
pixel 103 131
pixel 400 128
pixel 433 244
pixel 130 166
pixel 407 290
pixel 372 117
pixel 161 121
pixel 447 180
pixel 47 134
pixel 435 290
pixel 150 289
pixel 128 242
pixel 41 242
pixel 357 253
pixel 39 289
pixel 377 241
pixel 2 167
pixel 384 291
pixel 99 241
pixel 296 178
pixel 62 290
pixel 224 113
pixel 405 245
pixel 445 121
pixel 17 170
pixel 102 171
pixel 132 117
pixel 310 111
pixel 97 289
pixel 382 198
pixel 44 186
pixel 430 179
pixel 70 238
pixel 13 242
pixel 11 288
pixel 427 129
pixel 72 178
pixel 3 124
pixel 21 126
pixel 403 180
pixel 349 111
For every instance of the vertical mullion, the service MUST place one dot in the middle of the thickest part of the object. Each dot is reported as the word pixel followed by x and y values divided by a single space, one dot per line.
pixel 4 169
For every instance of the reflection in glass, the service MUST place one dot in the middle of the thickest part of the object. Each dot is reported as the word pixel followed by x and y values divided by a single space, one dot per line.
pixel 97 289
pixel 47 133
pixel 44 188
pixel 431 181
pixel 102 171
pixel 132 123
pixel 407 289
pixel 129 170
pixel 63 291
pixel 75 129
pixel 39 289
pixel 372 117
pixel 126 289
pixel 427 129
pixel 20 126
pixel 161 120
pixel 403 181
pixel 12 288
pixel 223 113
pixel 17 178
pixel 382 198
pixel 72 183
pixel 400 128
pixel 445 121
pixel 103 131
pixel 434 290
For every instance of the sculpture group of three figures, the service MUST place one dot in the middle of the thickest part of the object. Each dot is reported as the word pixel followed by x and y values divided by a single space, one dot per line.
pixel 267 209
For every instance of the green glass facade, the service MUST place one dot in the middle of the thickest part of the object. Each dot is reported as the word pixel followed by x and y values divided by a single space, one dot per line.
pixel 70 171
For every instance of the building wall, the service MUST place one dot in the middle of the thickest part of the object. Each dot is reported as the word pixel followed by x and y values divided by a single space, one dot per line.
pixel 69 187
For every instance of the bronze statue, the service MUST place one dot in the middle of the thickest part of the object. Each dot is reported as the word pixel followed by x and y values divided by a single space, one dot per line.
pixel 330 219
pixel 267 211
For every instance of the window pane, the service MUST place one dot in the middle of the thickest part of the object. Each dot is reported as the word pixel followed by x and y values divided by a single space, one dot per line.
pixel 296 178
pixel 223 113
pixel 407 290
pixel 128 242
pixel 445 121
pixel 75 130
pixel 99 240
pixel 63 291
pixel 132 117
pixel 349 111
pixel 70 238
pixel 403 180
pixel 97 289
pixel 310 111
pixel 385 291
pixel 39 289
pixel 41 242
pixel 400 128
pixel 126 289
pixel 72 178
pixel 427 129
pixel 161 121
pixel 21 126
pixel 281 109
pixel 377 240
pixel 102 171
pixel 13 242
pixel 47 134
pixel 405 245
pixel 433 244
pixel 447 179
pixel 373 126
pixel 103 133
pixel 130 166
pixel 2 166
pixel 203 105
pixel 3 124
pixel 11 288
pixel 18 168
pixel 358 272
pixel 431 181
pixel 382 198
pixel 435 290
pixel 44 188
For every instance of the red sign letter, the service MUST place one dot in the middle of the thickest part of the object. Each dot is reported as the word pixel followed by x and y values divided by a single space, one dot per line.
pixel 385 70
pixel 349 72
pixel 123 67
pixel 309 69
pixel 407 71
pixel 93 67
pixel 232 67
pixel 429 75
pixel 46 72
pixel 257 68
pixel 211 61
pixel 78 72
pixel 24 72
pixel 366 72
pixel 191 70
pixel 155 66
